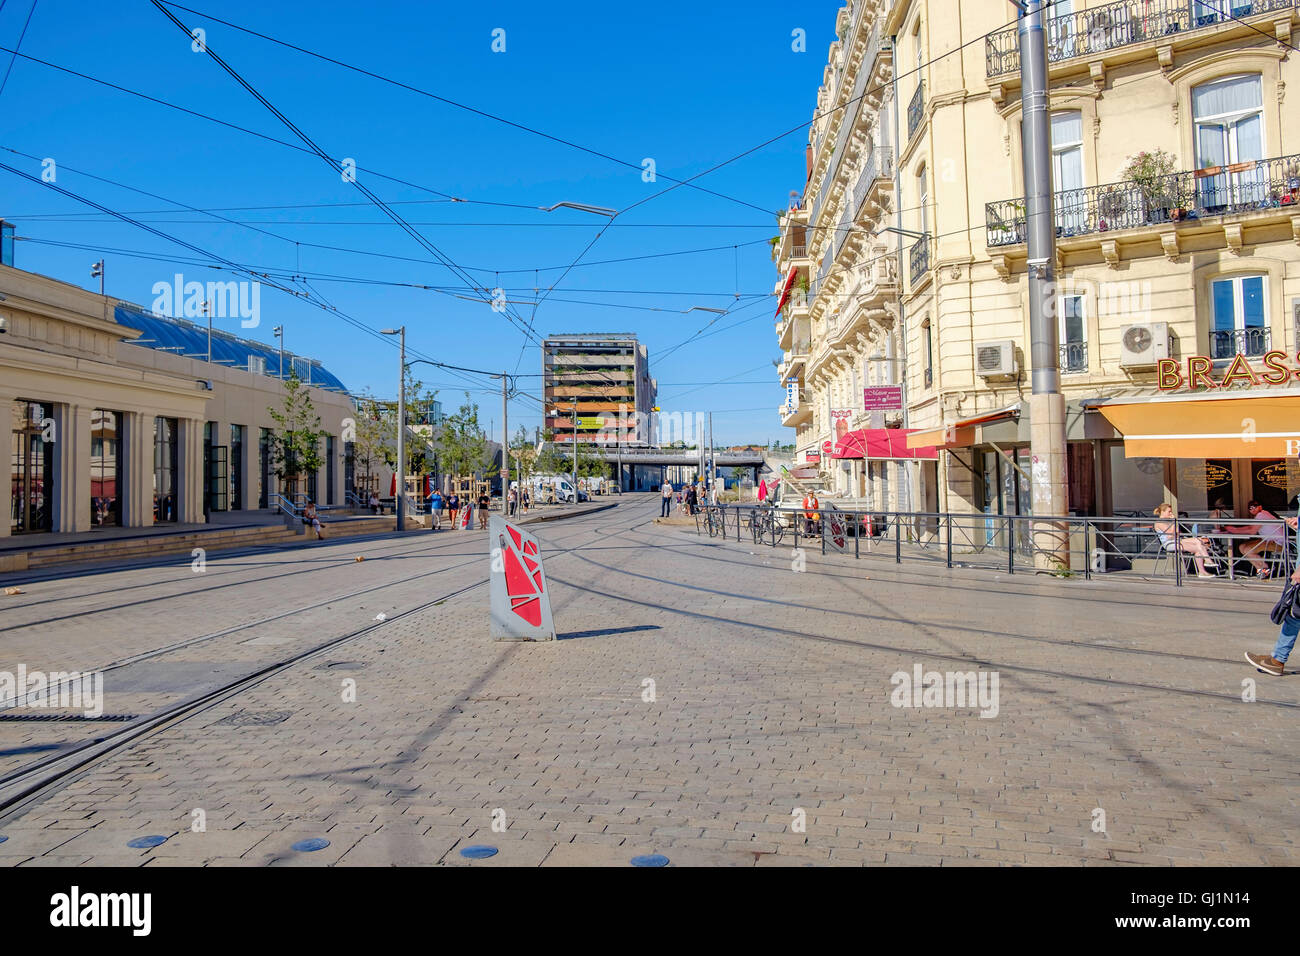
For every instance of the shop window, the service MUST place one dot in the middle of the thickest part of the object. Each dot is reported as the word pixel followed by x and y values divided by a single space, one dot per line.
pixel 1273 483
pixel 1204 485
pixel 1137 485
pixel 165 469
pixel 236 467
pixel 32 475
pixel 1239 320
pixel 105 468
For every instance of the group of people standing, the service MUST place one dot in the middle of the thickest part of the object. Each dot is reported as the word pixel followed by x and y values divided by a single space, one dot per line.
pixel 689 498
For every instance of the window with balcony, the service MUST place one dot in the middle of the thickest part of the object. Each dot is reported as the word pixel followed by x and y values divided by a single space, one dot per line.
pixel 928 345
pixel 1073 335
pixel 1239 324
pixel 1229 120
pixel 1067 171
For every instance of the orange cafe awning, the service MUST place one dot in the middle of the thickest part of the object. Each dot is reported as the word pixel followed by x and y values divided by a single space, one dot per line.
pixel 961 433
pixel 1261 425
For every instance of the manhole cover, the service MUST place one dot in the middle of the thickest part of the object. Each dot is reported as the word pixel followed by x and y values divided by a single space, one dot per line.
pixel 342 666
pixel 311 846
pixel 256 718
pixel 650 859
pixel 478 852
pixel 147 842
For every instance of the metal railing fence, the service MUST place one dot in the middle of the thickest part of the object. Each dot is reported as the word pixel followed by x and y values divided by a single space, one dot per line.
pixel 1121 546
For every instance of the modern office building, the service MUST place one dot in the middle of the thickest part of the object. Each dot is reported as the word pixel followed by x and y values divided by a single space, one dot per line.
pixel 117 418
pixel 598 388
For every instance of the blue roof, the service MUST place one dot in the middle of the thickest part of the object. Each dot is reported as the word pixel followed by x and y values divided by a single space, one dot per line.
pixel 181 337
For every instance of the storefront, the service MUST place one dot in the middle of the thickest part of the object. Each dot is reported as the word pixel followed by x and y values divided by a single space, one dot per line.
pixel 876 464
pixel 1205 451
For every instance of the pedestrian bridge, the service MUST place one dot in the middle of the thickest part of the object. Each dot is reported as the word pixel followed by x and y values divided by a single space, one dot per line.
pixel 678 456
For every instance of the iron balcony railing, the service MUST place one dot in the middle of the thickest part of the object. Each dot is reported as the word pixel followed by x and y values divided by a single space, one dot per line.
pixel 798 252
pixel 1125 23
pixel 848 114
pixel 1188 195
pixel 879 165
pixel 1227 343
pixel 918 259
pixel 916 109
pixel 1074 357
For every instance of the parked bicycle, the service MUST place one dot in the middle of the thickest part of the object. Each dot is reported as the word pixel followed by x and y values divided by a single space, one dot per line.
pixel 764 526
pixel 715 521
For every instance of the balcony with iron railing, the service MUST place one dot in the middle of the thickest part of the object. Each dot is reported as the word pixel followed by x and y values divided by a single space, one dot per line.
pixel 878 165
pixel 918 259
pixel 846 115
pixel 916 109
pixel 1091 32
pixel 1184 197
pixel 1074 358
pixel 1226 344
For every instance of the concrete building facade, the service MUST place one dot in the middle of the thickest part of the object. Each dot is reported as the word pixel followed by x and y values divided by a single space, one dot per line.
pixel 600 383
pixel 109 426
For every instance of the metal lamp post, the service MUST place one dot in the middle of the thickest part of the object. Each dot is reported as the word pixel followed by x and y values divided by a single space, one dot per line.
pixel 400 496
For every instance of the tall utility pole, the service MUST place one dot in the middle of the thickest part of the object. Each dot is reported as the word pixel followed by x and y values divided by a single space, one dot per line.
pixel 1046 403
pixel 575 453
pixel 505 450
pixel 207 310
pixel 399 495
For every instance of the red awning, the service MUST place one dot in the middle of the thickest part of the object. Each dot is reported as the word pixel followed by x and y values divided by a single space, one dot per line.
pixel 880 443
pixel 785 289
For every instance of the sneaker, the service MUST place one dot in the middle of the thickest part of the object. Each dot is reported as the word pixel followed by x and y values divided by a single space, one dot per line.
pixel 1265 664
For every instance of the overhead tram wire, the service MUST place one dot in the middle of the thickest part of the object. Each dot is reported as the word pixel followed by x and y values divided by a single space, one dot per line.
pixel 447 197
pixel 10 68
pixel 453 103
pixel 765 143
pixel 356 182
pixel 233 266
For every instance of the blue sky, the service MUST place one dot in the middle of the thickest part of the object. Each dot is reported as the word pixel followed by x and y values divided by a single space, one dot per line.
pixel 688 85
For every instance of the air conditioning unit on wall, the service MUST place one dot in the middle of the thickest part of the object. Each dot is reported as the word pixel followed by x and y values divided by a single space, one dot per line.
pixel 996 359
pixel 1142 344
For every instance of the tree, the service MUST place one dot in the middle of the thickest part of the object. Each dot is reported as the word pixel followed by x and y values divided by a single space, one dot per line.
pixel 523 454
pixel 462 442
pixel 296 445
pixel 373 441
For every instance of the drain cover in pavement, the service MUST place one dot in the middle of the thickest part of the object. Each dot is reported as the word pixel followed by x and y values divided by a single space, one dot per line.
pixel 650 859
pixel 256 718
pixel 478 852
pixel 311 846
pixel 147 842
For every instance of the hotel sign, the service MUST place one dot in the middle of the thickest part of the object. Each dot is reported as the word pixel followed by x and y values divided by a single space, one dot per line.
pixel 1272 370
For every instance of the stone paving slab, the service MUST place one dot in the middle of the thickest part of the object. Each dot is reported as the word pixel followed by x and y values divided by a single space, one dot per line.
pixel 771 695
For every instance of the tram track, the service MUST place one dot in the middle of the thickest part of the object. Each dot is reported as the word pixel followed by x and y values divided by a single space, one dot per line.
pixel 27 785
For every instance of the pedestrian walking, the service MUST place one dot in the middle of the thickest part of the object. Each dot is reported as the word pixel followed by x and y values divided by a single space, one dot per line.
pixel 1287 614
pixel 484 503
pixel 513 499
pixel 527 500
pixel 453 507
pixel 692 499
pixel 665 509
pixel 435 510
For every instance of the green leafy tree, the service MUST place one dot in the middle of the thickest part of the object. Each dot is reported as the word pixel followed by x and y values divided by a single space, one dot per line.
pixel 296 444
pixel 374 439
pixel 523 455
pixel 462 443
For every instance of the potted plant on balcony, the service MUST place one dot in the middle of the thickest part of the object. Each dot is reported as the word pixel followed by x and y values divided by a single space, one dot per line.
pixel 774 242
pixel 1153 171
pixel 1291 193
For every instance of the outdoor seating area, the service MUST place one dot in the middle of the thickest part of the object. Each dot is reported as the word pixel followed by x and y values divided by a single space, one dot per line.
pixel 1252 550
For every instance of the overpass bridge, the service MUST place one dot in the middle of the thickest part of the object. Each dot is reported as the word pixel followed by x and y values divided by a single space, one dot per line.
pixel 644 467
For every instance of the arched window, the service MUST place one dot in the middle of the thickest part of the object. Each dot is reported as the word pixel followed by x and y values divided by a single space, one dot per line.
pixel 1067 171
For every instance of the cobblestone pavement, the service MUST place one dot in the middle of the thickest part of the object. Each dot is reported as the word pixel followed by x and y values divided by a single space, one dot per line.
pixel 706 702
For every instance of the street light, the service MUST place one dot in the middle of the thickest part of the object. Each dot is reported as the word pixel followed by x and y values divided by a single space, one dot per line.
pixel 400 491
pixel 581 207
pixel 97 272
pixel 278 332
